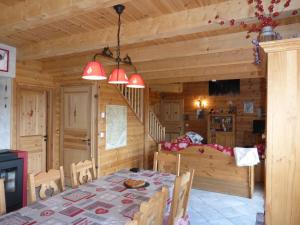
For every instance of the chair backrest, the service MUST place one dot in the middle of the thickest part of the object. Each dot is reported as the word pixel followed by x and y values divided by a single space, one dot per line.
pixel 53 179
pixel 2 198
pixel 152 211
pixel 182 188
pixel 165 162
pixel 83 172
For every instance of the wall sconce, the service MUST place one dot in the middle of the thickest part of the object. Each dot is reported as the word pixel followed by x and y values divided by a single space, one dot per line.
pixel 201 104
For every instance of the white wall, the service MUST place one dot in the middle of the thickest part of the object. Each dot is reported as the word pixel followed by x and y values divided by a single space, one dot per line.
pixel 5 112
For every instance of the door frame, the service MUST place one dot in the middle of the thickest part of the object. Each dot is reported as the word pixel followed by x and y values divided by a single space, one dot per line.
pixel 94 122
pixel 49 119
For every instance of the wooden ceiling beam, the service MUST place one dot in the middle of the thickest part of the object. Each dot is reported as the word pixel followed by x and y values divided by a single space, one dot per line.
pixel 211 71
pixel 187 79
pixel 33 13
pixel 204 60
pixel 215 49
pixel 169 25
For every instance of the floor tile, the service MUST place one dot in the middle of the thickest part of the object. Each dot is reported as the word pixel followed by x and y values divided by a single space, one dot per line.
pixel 222 221
pixel 210 208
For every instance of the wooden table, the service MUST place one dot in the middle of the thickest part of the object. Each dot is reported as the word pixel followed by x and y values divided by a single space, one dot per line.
pixel 103 201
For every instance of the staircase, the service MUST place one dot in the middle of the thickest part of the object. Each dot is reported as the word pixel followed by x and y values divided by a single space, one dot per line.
pixel 135 99
pixel 156 130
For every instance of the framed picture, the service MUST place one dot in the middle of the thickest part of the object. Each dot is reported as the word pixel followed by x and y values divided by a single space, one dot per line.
pixel 4 60
pixel 248 107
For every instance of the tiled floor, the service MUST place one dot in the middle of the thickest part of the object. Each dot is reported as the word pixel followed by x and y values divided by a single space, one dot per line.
pixel 209 208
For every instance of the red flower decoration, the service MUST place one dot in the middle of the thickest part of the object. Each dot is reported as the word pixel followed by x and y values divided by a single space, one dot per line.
pixel 232 21
pixel 275 14
pixel 222 22
pixel 295 12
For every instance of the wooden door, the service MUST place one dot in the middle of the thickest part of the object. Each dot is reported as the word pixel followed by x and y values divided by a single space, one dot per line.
pixel 76 124
pixel 172 118
pixel 32 127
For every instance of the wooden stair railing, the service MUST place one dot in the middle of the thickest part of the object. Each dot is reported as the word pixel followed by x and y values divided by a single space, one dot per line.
pixel 134 98
pixel 156 130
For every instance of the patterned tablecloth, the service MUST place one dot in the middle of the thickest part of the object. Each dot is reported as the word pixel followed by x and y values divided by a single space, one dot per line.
pixel 103 201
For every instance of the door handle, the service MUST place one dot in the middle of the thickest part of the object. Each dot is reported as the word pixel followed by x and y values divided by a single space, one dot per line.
pixel 45 137
pixel 88 141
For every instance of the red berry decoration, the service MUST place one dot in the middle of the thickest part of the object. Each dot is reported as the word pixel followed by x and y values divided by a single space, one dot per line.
pixel 287 4
pixel 275 14
pixel 271 8
pixel 295 12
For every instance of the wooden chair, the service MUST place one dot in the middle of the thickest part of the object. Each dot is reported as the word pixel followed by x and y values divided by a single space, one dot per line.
pixel 83 172
pixel 152 211
pixel 182 188
pixel 2 198
pixel 46 181
pixel 165 162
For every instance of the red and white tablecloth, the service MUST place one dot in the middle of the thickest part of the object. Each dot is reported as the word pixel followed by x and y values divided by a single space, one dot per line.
pixel 103 201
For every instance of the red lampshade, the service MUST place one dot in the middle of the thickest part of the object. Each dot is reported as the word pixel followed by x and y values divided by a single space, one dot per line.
pixel 136 81
pixel 94 71
pixel 118 76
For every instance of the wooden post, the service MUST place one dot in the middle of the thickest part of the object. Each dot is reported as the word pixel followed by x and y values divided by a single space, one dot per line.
pixel 146 126
pixel 283 132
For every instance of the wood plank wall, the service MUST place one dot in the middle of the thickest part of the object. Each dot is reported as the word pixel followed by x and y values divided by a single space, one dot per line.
pixel 251 90
pixel 32 74
pixel 124 157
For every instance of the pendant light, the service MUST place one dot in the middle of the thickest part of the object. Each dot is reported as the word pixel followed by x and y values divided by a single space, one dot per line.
pixel 118 75
pixel 95 71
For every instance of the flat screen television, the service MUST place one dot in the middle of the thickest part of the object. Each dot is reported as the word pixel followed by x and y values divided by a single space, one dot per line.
pixel 224 87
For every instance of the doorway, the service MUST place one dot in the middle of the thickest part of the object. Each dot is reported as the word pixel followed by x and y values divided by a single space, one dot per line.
pixel 172 117
pixel 78 125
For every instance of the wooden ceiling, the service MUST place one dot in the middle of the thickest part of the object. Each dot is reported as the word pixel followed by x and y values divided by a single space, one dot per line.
pixel 163 37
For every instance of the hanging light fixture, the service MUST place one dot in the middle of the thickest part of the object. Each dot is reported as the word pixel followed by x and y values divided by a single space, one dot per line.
pixel 118 75
pixel 94 70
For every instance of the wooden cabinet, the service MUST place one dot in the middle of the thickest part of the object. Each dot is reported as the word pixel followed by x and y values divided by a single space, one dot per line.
pixel 283 132
pixel 221 129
